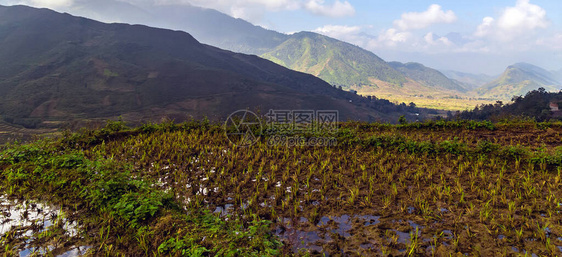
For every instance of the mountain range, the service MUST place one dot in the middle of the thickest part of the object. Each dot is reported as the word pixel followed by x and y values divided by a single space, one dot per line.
pixel 57 66
pixel 334 61
pixel 133 74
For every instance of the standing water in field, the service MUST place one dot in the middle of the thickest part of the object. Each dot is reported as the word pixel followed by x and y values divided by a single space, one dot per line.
pixel 24 223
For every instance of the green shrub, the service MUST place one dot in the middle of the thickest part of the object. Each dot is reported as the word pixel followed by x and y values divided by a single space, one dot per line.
pixel 485 147
pixel 514 152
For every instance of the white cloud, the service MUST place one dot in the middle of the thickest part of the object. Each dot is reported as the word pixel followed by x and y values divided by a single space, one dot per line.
pixel 356 35
pixel 523 19
pixel 53 4
pixel 391 37
pixel 273 4
pixel 250 10
pixel 434 40
pixel 350 34
pixel 338 31
pixel 554 42
pixel 400 37
pixel 387 39
pixel 337 9
pixel 523 16
pixel 253 10
pixel 485 28
pixel 433 15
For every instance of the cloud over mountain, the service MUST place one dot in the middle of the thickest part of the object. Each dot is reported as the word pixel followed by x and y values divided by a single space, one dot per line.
pixel 401 34
pixel 520 20
pixel 54 4
pixel 253 10
pixel 337 9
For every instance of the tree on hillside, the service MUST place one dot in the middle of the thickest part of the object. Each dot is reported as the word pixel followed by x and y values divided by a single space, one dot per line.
pixel 535 104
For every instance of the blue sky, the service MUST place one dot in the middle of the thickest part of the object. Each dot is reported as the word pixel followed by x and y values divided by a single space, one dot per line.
pixel 381 14
pixel 477 36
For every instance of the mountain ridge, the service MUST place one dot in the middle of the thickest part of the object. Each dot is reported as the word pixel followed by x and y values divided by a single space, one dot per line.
pixel 221 30
pixel 427 76
pixel 58 66
pixel 518 79
pixel 233 34
pixel 335 61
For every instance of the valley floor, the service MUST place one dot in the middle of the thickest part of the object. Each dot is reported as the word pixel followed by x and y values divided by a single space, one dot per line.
pixel 424 97
pixel 447 104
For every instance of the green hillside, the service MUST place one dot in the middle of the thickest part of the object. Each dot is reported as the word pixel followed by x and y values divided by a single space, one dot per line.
pixel 334 61
pixel 518 79
pixel 426 76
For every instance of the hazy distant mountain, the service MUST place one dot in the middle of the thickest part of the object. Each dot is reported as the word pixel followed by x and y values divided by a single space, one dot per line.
pixel 467 80
pixel 206 25
pixel 218 29
pixel 427 76
pixel 558 74
pixel 110 11
pixel 518 79
pixel 57 66
pixel 334 61
pixel 456 38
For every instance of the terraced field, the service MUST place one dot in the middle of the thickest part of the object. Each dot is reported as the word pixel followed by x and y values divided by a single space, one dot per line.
pixel 434 188
pixel 12 133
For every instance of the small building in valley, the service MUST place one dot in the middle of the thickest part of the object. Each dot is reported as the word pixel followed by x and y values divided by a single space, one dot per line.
pixel 554 107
